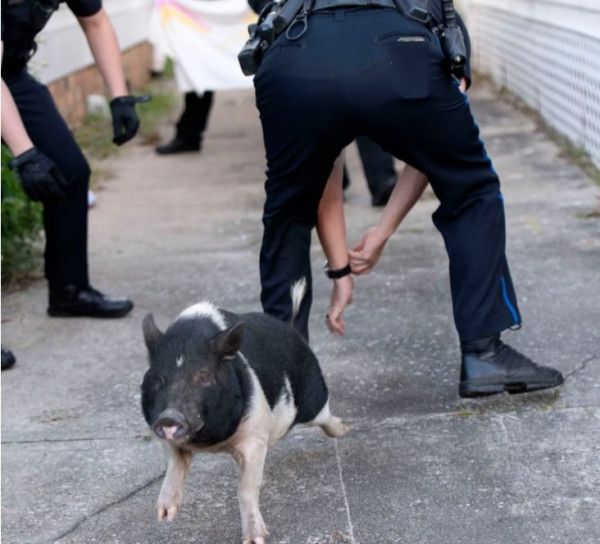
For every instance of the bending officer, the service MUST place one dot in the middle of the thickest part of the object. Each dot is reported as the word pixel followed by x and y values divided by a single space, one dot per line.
pixel 346 68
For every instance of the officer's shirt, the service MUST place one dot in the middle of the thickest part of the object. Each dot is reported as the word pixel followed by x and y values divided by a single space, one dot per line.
pixel 22 20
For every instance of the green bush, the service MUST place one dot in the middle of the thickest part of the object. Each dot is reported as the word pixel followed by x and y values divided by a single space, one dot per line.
pixel 21 225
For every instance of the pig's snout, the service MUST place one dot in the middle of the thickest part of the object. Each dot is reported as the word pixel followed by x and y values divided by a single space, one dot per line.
pixel 170 425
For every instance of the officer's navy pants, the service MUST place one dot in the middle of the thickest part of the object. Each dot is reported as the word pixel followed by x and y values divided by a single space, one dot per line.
pixel 377 73
pixel 65 225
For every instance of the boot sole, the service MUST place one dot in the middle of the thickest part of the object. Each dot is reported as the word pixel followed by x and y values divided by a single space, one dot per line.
pixel 107 315
pixel 469 390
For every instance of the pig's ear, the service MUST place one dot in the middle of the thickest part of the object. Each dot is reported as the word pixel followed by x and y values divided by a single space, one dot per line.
pixel 227 343
pixel 152 334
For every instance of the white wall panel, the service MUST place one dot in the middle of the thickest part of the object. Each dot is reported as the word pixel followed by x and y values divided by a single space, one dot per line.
pixel 63 49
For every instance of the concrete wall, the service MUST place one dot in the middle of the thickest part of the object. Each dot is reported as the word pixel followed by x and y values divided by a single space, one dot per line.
pixel 548 53
pixel 64 62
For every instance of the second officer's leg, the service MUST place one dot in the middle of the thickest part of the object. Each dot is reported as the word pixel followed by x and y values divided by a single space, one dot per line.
pixel 303 135
pixel 379 169
pixel 426 121
pixel 66 262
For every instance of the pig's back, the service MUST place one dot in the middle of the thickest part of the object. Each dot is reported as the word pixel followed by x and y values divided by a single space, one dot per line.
pixel 276 351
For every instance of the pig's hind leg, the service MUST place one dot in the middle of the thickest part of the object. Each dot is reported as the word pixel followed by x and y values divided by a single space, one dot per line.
pixel 171 492
pixel 332 426
pixel 250 457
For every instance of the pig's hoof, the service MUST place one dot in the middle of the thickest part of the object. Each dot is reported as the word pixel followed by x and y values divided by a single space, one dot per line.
pixel 167 512
pixel 258 537
pixel 335 428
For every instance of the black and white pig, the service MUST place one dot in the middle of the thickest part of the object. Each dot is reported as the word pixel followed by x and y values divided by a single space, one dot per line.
pixel 223 382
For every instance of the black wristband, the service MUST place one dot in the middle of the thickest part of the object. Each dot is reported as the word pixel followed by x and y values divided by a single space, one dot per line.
pixel 339 273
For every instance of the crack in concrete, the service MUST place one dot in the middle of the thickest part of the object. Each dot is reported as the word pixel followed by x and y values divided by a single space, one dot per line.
pixel 106 507
pixel 344 494
pixel 581 367
pixel 66 440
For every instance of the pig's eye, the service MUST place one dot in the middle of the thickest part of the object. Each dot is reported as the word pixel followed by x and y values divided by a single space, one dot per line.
pixel 156 382
pixel 202 378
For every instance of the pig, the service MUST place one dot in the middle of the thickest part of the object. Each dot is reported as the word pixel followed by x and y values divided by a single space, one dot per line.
pixel 232 383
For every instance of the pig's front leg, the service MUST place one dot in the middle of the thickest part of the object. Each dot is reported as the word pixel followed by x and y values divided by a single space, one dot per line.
pixel 171 492
pixel 250 457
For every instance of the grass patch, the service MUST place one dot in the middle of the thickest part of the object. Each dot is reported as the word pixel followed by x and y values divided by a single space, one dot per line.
pixel 21 228
pixel 153 113
pixel 467 412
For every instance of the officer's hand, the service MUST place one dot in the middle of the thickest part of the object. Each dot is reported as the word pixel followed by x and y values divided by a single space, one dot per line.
pixel 125 119
pixel 41 179
pixel 341 296
pixel 367 252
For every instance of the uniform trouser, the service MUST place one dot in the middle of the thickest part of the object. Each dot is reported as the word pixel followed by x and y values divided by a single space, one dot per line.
pixel 65 256
pixel 194 117
pixel 377 73
pixel 378 165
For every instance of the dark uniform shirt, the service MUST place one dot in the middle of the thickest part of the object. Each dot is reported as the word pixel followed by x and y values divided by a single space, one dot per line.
pixel 22 20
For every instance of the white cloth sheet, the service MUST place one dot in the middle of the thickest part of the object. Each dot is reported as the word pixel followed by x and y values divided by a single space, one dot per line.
pixel 203 38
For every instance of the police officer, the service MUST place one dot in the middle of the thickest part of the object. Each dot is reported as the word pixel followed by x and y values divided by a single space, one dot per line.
pixel 51 165
pixel 350 67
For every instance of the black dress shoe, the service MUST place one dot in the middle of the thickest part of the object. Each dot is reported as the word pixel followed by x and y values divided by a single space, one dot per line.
pixel 177 145
pixel 72 301
pixel 498 368
pixel 8 359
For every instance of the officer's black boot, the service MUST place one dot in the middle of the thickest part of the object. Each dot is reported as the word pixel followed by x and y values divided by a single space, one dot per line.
pixel 178 145
pixel 73 301
pixel 191 124
pixel 489 366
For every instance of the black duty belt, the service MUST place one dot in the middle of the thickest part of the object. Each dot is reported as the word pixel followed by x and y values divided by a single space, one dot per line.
pixel 320 5
pixel 291 17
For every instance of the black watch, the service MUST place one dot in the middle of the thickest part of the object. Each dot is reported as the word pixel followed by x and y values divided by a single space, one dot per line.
pixel 339 273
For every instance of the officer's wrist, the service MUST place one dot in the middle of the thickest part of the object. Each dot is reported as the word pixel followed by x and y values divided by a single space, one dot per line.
pixel 21 158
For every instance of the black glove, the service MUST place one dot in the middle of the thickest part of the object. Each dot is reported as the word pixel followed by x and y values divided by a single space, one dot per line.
pixel 125 119
pixel 41 179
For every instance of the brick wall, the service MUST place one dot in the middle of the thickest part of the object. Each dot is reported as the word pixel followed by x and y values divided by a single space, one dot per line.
pixel 70 92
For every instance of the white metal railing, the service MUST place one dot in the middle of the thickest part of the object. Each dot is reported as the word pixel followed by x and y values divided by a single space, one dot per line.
pixel 548 53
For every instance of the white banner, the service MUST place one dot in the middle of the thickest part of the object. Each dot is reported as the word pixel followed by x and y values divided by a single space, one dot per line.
pixel 203 38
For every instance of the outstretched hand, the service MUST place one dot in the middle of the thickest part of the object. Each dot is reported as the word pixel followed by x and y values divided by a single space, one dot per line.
pixel 125 119
pixel 341 296
pixel 367 252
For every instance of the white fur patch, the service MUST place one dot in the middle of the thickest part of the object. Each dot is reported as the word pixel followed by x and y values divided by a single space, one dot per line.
pixel 297 291
pixel 273 424
pixel 179 361
pixel 284 412
pixel 205 309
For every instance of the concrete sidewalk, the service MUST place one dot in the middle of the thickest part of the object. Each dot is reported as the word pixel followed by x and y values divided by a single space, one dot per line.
pixel 420 465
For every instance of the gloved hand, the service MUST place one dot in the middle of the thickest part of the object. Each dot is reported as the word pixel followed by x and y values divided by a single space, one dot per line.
pixel 125 119
pixel 41 179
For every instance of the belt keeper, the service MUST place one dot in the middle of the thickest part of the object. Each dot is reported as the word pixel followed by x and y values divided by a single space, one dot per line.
pixel 338 273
